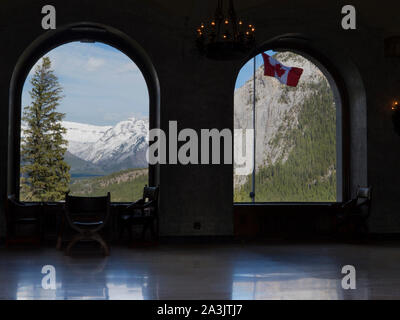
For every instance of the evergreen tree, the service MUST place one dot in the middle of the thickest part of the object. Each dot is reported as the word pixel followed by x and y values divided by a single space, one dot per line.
pixel 44 173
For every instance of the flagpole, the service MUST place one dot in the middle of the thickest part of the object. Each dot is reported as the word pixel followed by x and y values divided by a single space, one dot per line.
pixel 254 131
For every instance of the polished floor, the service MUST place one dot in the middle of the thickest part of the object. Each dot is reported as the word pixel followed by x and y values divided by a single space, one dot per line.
pixel 200 271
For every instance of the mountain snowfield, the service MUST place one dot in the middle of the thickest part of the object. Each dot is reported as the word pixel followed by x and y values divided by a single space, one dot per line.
pixel 81 136
pixel 109 148
pixel 122 146
pixel 110 144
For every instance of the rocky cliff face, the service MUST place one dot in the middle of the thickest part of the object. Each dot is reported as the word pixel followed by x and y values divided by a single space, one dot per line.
pixel 277 109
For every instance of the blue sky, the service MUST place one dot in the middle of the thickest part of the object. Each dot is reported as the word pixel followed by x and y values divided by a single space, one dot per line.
pixel 246 72
pixel 102 86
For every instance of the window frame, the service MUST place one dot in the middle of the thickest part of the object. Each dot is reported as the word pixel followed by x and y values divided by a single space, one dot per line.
pixel 340 94
pixel 84 32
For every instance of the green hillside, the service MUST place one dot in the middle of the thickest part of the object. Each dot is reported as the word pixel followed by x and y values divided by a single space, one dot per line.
pixel 309 174
pixel 80 167
pixel 124 186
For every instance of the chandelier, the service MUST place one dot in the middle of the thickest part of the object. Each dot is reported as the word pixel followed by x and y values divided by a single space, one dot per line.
pixel 225 37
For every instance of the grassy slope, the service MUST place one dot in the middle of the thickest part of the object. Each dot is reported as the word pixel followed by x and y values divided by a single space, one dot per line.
pixel 124 186
pixel 80 166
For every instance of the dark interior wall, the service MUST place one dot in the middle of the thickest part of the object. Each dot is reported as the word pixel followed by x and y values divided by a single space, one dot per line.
pixel 197 92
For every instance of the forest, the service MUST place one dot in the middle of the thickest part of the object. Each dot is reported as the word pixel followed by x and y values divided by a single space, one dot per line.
pixel 309 172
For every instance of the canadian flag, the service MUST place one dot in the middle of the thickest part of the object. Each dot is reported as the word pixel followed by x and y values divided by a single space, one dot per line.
pixel 286 75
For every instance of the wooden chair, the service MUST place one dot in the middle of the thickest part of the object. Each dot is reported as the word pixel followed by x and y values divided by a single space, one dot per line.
pixel 142 212
pixel 356 212
pixel 23 214
pixel 87 216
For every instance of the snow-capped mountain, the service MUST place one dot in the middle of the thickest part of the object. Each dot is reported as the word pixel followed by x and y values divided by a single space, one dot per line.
pixel 122 146
pixel 116 147
pixel 106 148
pixel 81 136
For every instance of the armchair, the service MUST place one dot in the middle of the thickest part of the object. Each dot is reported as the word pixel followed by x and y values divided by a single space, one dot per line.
pixel 87 216
pixel 142 212
pixel 356 211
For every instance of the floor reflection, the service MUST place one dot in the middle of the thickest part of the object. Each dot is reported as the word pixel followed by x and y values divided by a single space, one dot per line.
pixel 123 292
pixel 259 287
pixel 196 272
pixel 82 277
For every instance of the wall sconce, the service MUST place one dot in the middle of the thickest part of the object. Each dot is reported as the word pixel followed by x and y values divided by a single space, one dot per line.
pixel 396 116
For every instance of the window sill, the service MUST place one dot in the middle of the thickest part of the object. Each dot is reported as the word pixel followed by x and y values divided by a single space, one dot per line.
pixel 285 204
pixel 113 204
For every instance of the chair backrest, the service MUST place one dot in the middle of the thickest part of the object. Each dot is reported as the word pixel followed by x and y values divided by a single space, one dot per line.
pixel 363 198
pixel 88 207
pixel 150 193
pixel 364 192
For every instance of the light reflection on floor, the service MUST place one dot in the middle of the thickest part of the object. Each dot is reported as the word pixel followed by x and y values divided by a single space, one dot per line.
pixel 203 272
pixel 85 288
pixel 255 288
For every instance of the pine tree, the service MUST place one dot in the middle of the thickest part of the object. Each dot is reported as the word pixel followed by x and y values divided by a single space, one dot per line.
pixel 44 173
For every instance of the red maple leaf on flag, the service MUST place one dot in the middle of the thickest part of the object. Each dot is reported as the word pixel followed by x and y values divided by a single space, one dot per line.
pixel 279 70
pixel 274 68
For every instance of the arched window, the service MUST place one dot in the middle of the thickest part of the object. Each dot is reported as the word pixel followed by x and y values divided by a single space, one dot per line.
pixel 294 153
pixel 103 118
pixel 88 96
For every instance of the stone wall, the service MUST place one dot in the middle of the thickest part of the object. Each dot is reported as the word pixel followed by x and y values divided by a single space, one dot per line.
pixel 198 93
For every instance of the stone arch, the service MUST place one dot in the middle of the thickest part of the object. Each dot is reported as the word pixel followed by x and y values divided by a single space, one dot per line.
pixel 52 39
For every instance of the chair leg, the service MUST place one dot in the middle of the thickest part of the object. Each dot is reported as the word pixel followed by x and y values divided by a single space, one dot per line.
pixel 121 232
pixel 104 245
pixel 157 222
pixel 38 235
pixel 152 230
pixel 129 226
pixel 60 235
pixel 122 228
pixel 145 226
pixel 59 243
pixel 74 240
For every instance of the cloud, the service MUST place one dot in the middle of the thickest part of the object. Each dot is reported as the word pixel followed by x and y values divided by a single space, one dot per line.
pixel 94 63
pixel 128 67
pixel 98 81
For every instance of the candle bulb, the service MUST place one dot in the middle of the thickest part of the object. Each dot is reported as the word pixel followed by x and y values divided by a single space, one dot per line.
pixel 240 24
pixel 223 28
